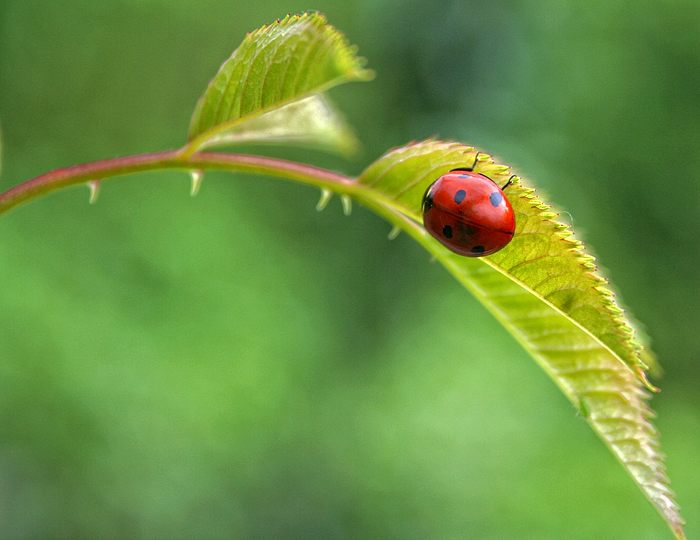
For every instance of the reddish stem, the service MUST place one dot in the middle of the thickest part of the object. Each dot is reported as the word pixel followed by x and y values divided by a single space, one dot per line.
pixel 173 159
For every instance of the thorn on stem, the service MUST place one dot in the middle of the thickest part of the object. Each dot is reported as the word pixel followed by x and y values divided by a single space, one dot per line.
pixel 395 230
pixel 347 204
pixel 196 181
pixel 94 187
pixel 326 195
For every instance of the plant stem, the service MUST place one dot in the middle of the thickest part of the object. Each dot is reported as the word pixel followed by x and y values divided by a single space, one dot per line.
pixel 99 170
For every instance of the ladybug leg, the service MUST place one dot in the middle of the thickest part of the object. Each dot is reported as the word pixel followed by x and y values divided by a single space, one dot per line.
pixel 469 169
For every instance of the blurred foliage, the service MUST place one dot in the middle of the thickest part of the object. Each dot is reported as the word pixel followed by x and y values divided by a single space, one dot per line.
pixel 238 365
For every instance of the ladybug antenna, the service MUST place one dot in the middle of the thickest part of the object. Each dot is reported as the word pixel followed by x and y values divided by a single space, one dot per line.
pixel 476 161
pixel 469 169
pixel 509 182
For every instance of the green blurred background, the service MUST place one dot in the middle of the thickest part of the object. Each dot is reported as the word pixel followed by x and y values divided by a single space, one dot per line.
pixel 238 365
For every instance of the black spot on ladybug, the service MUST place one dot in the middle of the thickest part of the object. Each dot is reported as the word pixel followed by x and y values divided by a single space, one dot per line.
pixel 447 231
pixel 477 250
pixel 496 198
pixel 459 196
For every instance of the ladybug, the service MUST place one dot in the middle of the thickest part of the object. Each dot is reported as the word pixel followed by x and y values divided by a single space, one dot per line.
pixel 468 213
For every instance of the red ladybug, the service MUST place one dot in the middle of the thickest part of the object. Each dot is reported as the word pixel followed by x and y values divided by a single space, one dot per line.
pixel 468 213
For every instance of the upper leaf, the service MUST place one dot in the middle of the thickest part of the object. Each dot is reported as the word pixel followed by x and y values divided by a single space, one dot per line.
pixel 273 67
pixel 544 288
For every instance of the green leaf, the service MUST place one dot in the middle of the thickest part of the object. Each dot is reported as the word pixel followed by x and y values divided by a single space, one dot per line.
pixel 271 84
pixel 544 289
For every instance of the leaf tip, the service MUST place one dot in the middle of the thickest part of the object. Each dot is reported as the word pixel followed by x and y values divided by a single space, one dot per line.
pixel 641 373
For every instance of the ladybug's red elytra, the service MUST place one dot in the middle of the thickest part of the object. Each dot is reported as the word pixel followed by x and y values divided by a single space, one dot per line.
pixel 468 213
